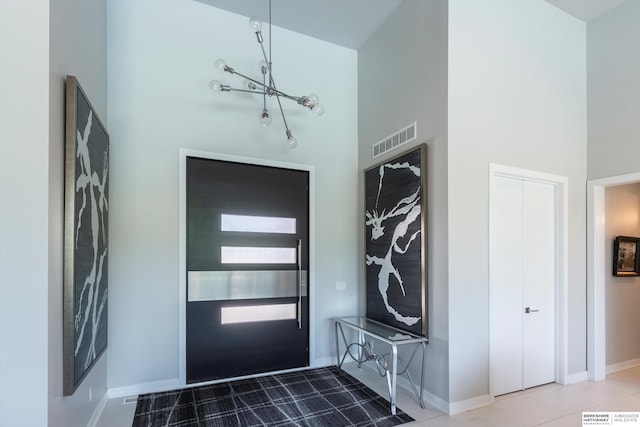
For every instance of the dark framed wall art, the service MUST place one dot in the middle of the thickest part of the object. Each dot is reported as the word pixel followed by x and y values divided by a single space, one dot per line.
pixel 85 237
pixel 626 261
pixel 395 247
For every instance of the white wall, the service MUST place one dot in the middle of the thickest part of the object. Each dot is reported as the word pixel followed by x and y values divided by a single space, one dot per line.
pixel 78 46
pixel 517 97
pixel 622 294
pixel 161 56
pixel 40 41
pixel 24 196
pixel 402 78
pixel 614 92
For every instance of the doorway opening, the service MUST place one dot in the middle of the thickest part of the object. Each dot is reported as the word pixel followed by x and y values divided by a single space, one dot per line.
pixel 597 272
pixel 246 266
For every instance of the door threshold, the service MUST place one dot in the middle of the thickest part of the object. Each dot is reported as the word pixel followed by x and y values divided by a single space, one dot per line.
pixel 525 391
pixel 251 376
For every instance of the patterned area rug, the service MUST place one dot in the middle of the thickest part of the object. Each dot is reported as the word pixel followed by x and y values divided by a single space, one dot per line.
pixel 318 397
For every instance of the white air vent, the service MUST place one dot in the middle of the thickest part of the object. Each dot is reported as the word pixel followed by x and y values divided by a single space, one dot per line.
pixel 396 140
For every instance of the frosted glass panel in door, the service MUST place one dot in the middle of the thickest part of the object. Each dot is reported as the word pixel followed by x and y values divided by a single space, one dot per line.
pixel 257 224
pixel 257 255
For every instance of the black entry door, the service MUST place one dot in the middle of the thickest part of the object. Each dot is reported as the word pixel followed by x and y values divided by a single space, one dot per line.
pixel 247 268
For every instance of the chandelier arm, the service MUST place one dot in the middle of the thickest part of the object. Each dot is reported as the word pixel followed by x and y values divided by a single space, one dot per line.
pixel 284 95
pixel 231 89
pixel 270 88
pixel 284 119
pixel 272 85
pixel 277 93
pixel 264 94
pixel 248 78
pixel 268 61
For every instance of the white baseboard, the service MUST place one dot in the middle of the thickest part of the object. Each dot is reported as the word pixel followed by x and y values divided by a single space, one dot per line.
pixel 321 362
pixel 469 404
pixel 433 400
pixel 144 388
pixel 452 408
pixel 616 367
pixel 577 378
pixel 97 413
pixel 438 402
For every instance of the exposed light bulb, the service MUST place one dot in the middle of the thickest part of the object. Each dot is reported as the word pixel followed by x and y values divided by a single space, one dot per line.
pixel 255 23
pixel 292 142
pixel 263 66
pixel 306 103
pixel 265 118
pixel 249 84
pixel 318 109
pixel 266 86
pixel 309 102
pixel 221 64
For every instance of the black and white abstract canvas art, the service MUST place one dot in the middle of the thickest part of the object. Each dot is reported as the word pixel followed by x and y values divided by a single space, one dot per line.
pixel 395 221
pixel 85 237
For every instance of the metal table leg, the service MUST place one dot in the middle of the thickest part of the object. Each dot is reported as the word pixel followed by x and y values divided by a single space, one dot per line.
pixel 424 350
pixel 389 367
pixel 394 379
pixel 338 364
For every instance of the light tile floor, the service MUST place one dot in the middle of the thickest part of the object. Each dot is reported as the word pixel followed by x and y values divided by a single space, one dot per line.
pixel 551 405
pixel 117 413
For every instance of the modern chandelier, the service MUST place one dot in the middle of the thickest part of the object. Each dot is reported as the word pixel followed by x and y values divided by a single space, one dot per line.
pixel 266 85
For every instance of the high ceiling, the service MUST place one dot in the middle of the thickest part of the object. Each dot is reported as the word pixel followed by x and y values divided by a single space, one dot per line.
pixel 586 10
pixel 350 23
pixel 347 23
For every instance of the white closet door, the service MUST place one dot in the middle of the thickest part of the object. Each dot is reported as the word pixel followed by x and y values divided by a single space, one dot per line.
pixel 506 290
pixel 538 279
pixel 522 266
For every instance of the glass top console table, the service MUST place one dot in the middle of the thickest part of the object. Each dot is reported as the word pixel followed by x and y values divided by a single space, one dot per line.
pixel 362 351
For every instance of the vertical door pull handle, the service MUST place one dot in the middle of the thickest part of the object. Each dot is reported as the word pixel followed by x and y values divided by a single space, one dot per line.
pixel 299 313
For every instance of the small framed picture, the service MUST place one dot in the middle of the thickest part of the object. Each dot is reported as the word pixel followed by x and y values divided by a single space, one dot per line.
pixel 625 256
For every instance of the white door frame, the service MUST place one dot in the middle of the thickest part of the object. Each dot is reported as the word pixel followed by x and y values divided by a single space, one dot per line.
pixel 182 249
pixel 561 184
pixel 596 274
